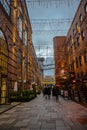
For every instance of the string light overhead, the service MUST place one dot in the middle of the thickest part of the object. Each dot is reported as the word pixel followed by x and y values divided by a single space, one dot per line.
pixel 50 22
pixel 50 3
pixel 40 26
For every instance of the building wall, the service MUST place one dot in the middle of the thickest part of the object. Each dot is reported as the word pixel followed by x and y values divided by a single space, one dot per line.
pixel 75 44
pixel 10 77
pixel 16 28
pixel 77 41
pixel 60 54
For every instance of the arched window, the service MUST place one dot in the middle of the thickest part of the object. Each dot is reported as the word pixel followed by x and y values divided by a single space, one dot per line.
pixel 3 68
pixel 3 54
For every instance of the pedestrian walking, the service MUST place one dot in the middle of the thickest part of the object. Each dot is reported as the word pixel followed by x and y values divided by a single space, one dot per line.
pixel 57 93
pixel 46 92
pixel 49 92
pixel 53 91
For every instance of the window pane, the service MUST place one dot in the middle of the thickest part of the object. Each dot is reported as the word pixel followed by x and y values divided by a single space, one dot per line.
pixel 20 28
pixel 85 8
pixel 6 5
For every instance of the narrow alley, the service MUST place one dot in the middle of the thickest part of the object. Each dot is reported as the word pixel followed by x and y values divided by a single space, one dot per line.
pixel 45 114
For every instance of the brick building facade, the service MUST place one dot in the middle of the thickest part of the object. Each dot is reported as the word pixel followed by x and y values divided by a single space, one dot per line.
pixel 60 58
pixel 75 44
pixel 16 53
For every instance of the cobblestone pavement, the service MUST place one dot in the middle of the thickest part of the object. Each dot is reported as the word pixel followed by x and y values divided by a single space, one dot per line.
pixel 45 114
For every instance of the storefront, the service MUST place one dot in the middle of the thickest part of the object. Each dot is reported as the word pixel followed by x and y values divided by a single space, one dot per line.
pixel 3 68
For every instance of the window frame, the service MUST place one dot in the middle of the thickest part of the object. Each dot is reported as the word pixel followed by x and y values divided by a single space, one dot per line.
pixel 85 8
pixel 80 18
pixel 20 29
pixel 6 5
pixel 82 34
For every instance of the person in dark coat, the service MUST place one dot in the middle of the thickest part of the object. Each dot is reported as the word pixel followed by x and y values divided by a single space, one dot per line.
pixel 46 92
pixel 53 91
pixel 57 93
pixel 49 92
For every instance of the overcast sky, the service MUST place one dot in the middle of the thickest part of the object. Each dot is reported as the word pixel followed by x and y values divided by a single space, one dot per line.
pixel 43 32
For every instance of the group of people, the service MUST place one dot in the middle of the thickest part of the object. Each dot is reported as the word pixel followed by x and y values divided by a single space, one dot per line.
pixel 47 91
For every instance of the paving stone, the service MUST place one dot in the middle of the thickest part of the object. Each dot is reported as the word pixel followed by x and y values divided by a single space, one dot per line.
pixel 21 124
pixel 42 114
pixel 34 126
pixel 48 125
pixel 63 128
pixel 24 129
pixel 46 129
pixel 60 123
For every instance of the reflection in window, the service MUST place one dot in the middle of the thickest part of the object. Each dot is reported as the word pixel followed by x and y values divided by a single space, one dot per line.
pixel 6 5
pixel 85 8
pixel 3 54
pixel 25 38
pixel 20 28
pixel 82 34
pixel 80 18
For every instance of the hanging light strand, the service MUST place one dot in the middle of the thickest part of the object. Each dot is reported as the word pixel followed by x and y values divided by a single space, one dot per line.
pixel 51 23
pixel 51 3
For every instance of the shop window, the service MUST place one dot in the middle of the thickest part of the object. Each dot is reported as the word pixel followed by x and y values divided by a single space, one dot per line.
pixel 85 56
pixel 6 5
pixel 85 8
